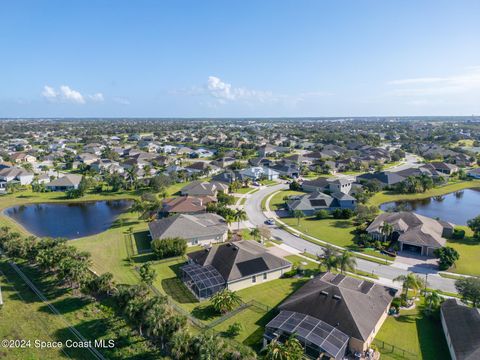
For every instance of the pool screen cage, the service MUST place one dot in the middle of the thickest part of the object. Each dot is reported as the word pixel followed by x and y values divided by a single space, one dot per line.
pixel 316 336
pixel 203 281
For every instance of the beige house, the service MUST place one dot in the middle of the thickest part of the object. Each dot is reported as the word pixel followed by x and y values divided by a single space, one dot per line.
pixel 197 229
pixel 235 266
pixel 415 233
pixel 346 308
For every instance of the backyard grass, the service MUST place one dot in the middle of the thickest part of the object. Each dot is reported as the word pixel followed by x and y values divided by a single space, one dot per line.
pixel 416 333
pixel 254 318
pixel 109 249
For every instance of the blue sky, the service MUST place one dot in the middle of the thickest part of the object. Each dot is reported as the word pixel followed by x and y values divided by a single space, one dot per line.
pixel 239 58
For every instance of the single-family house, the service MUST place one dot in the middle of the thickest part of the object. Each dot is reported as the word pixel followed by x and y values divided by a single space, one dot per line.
pixel 16 174
pixel 461 326
pixel 332 185
pixel 203 188
pixel 332 314
pixel 197 229
pixel 310 203
pixel 414 232
pixel 258 173
pixel 65 183
pixel 234 265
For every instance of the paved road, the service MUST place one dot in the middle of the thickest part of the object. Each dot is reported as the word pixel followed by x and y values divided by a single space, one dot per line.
pixel 385 272
pixel 410 161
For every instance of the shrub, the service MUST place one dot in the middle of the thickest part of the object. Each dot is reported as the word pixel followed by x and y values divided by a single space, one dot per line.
pixel 322 214
pixel 295 186
pixel 458 234
pixel 169 247
pixel 447 257
pixel 290 273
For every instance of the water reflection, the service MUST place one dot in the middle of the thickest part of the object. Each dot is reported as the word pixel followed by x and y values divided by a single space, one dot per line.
pixel 456 207
pixel 68 220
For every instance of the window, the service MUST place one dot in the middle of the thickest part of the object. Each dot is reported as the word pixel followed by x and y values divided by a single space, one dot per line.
pixel 265 276
pixel 254 279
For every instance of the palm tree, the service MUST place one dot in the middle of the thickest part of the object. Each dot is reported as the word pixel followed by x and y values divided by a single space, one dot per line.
pixel 433 299
pixel 225 300
pixel 329 259
pixel 229 219
pixel 147 273
pixel 298 214
pixel 346 261
pixel 386 229
pixel 255 232
pixel 131 175
pixel 291 349
pixel 410 281
pixel 240 215
pixel 275 351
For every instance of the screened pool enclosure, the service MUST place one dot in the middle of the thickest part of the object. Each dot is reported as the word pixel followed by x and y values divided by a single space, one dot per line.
pixel 203 281
pixel 318 338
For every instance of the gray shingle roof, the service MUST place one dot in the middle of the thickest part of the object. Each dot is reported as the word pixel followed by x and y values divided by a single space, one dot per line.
pixel 352 306
pixel 67 180
pixel 415 229
pixel 188 226
pixel 463 324
pixel 240 259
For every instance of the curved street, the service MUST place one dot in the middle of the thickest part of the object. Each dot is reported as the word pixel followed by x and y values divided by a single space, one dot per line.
pixel 386 273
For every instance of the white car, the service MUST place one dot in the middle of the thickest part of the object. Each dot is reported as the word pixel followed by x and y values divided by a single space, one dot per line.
pixel 270 222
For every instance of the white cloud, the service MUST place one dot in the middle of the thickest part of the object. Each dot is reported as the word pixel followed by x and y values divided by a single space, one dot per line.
pixel 71 95
pixel 460 84
pixel 98 97
pixel 65 94
pixel 49 93
pixel 223 92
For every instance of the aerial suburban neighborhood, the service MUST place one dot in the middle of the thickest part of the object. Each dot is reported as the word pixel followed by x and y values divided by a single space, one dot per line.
pixel 240 180
pixel 277 235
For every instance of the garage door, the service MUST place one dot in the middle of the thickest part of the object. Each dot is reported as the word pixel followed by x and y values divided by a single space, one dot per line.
pixel 412 248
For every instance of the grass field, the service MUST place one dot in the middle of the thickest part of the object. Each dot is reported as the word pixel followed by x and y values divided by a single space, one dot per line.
pixel 469 250
pixel 24 315
pixel 416 333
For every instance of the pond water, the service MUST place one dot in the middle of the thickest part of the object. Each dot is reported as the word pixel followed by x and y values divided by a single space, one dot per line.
pixel 68 220
pixel 457 207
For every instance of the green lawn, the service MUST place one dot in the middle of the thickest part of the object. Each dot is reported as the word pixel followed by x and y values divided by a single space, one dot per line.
pixel 254 318
pixel 243 190
pixel 24 317
pixel 109 248
pixel 416 333
pixel 31 318
pixel 469 250
pixel 277 201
